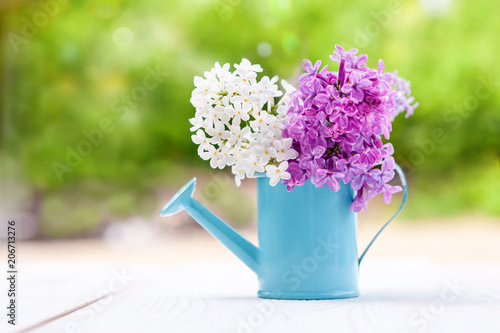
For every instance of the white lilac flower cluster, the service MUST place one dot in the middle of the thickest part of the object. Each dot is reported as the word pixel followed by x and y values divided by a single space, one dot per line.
pixel 238 124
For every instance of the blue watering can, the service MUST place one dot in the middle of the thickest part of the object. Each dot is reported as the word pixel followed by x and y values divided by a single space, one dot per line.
pixel 307 237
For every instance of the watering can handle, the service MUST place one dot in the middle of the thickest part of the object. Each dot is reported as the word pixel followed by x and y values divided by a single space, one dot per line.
pixel 405 196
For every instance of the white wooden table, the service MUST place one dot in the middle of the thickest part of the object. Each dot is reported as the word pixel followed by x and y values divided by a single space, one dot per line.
pixel 397 295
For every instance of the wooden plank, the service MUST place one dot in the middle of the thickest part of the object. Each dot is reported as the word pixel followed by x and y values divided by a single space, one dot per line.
pixel 49 289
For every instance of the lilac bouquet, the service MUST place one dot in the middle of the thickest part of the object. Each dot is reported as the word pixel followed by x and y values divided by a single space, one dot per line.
pixel 337 120
pixel 328 130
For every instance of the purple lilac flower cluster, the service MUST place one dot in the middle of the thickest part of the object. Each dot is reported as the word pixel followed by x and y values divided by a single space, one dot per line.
pixel 403 99
pixel 336 121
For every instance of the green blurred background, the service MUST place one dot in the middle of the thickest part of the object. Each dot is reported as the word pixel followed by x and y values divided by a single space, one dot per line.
pixel 95 97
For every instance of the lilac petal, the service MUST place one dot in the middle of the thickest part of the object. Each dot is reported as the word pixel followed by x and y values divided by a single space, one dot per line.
pixel 334 58
pixel 396 189
pixel 357 183
pixel 361 60
pixel 323 97
pixel 354 159
pixel 338 54
pixel 387 77
pixel 303 77
pixel 324 71
pixel 364 83
pixel 349 58
pixel 343 122
pixel 381 66
pixel 389 164
pixel 318 151
pixel 338 175
pixel 307 65
pixel 390 190
pixel 354 77
pixel 357 94
pixel 320 181
pixel 341 164
pixel 352 51
pixel 358 203
pixel 346 88
pixel 317 65
pixel 319 163
pixel 333 184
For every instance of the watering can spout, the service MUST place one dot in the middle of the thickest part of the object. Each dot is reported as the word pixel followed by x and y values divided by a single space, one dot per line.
pixel 242 248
